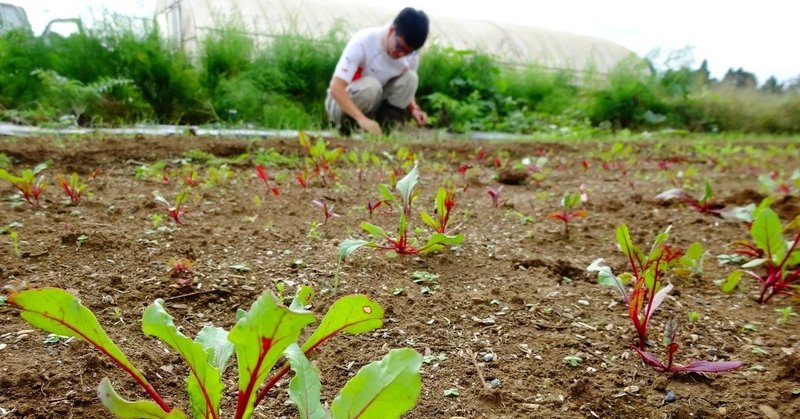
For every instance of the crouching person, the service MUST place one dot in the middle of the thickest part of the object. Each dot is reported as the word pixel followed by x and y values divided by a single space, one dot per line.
pixel 375 81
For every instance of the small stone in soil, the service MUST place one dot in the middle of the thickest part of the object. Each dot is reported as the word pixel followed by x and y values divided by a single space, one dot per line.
pixel 495 382
pixel 669 397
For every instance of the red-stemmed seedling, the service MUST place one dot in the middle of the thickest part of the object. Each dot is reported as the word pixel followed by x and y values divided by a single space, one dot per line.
pixel 401 243
pixel 670 333
pixel 445 201
pixel 175 211
pixel 261 171
pixel 649 291
pixel 327 211
pixel 780 259
pixel 181 270
pixel 27 184
pixel 73 188
pixel 567 213
pixel 706 204
pixel 494 194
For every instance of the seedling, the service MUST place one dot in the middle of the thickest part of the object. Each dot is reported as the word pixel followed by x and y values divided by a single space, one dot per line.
pixel 445 201
pixel 706 204
pixel 573 361
pixel 320 159
pixel 567 214
pixel 691 264
pixel 262 174
pixel 372 207
pixel 27 184
pixel 400 244
pixel 786 314
pixel 14 237
pixel 780 259
pixel 191 178
pixel 181 270
pixel 327 211
pixel 494 194
pixel 313 231
pixel 73 187
pixel 260 337
pixel 670 332
pixel 693 316
pixel 647 275
pixel 175 211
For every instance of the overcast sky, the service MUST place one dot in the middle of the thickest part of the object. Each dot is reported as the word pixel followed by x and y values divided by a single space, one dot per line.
pixel 759 36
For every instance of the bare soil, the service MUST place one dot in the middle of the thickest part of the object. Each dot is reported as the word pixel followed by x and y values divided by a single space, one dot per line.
pixel 511 302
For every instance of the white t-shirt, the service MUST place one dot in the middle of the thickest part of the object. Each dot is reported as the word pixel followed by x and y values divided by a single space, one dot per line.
pixel 366 54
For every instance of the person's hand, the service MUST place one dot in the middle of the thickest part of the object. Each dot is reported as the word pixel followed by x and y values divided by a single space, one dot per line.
pixel 370 126
pixel 420 116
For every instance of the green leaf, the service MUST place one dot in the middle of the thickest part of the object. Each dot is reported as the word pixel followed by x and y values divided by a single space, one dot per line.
pixel 373 230
pixel 215 340
pixel 382 389
pixel 658 245
pixel 626 244
pixel 427 219
pixel 348 246
pixel 732 281
pixel 57 311
pixel 386 194
pixel 305 387
pixel 124 409
pixel 204 383
pixel 441 195
pixel 438 240
pixel 768 235
pixel 406 185
pixel 303 297
pixel 351 314
pixel 260 337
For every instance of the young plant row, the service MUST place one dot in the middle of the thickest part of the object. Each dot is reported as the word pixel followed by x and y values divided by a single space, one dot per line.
pixel 264 337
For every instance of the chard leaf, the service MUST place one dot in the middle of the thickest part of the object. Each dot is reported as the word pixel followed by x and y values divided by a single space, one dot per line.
pixel 204 383
pixel 57 311
pixel 260 338
pixel 626 245
pixel 215 341
pixel 768 235
pixel 659 298
pixel 438 241
pixel 668 195
pixel 124 409
pixel 406 185
pixel 373 230
pixel 385 388
pixel 305 387
pixel 303 297
pixel 386 194
pixel 441 195
pixel 731 281
pixel 753 263
pixel 606 277
pixel 745 213
pixel 658 245
pixel 351 314
pixel 427 219
pixel 709 366
pixel 348 246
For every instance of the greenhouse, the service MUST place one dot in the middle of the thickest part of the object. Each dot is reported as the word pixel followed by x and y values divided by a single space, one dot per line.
pixel 188 21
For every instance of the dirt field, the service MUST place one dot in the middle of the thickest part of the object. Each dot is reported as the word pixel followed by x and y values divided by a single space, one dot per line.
pixel 508 306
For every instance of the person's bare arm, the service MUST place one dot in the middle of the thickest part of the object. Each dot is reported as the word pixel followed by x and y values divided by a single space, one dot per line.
pixel 417 113
pixel 339 93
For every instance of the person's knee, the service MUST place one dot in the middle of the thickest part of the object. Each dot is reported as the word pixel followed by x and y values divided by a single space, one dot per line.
pixel 368 89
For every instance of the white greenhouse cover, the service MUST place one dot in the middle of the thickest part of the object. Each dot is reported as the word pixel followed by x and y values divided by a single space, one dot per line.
pixel 188 21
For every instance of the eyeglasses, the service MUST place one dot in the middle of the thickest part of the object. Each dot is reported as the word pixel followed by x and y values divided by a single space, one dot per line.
pixel 402 48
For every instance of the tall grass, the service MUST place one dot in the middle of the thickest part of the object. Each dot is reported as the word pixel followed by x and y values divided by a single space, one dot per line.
pixel 124 71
